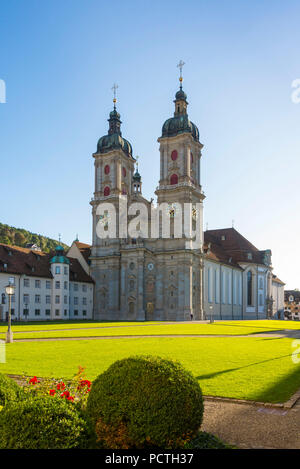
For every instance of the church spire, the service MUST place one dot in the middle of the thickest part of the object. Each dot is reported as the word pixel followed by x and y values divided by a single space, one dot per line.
pixel 114 116
pixel 180 97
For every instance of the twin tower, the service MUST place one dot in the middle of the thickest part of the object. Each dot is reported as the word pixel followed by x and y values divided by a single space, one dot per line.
pixel 146 278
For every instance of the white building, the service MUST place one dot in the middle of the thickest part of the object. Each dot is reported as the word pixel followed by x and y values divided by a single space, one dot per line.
pixel 46 286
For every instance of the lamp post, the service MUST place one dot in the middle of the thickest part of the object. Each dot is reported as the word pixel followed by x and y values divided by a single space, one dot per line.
pixel 210 310
pixel 10 290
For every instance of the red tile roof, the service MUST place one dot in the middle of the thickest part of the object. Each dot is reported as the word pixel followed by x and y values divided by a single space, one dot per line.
pixel 231 244
pixel 22 261
pixel 85 250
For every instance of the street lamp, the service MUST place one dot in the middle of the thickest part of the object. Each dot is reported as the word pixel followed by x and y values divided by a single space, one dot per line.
pixel 9 290
pixel 210 310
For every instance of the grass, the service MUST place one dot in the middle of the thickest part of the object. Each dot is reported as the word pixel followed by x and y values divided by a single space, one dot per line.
pixel 97 329
pixel 246 368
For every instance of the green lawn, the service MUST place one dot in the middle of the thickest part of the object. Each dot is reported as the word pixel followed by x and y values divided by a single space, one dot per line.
pixel 93 329
pixel 246 368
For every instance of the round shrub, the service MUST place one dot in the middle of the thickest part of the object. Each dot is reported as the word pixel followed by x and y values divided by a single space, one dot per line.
pixel 9 390
pixel 145 401
pixel 42 423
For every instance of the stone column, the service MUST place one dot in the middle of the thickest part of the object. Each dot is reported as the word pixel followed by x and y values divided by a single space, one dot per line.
pixel 162 163
pixel 201 285
pixel 140 296
pixel 118 175
pixel 159 288
pixel 188 161
pixel 123 287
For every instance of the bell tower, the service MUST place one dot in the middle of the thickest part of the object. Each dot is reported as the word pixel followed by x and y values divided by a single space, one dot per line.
pixel 180 190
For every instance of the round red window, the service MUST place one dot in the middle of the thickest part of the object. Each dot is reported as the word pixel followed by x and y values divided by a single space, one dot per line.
pixel 174 155
pixel 107 169
pixel 174 179
pixel 106 190
pixel 124 172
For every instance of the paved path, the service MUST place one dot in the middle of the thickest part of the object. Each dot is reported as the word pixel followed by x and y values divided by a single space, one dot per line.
pixel 250 426
pixel 280 334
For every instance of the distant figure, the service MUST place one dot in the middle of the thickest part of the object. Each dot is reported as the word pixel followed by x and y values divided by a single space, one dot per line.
pixel 192 316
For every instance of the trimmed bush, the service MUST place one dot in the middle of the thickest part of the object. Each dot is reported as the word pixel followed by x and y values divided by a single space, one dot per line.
pixel 144 402
pixel 205 440
pixel 43 423
pixel 9 390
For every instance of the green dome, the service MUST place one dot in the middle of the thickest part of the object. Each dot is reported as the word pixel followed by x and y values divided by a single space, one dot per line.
pixel 178 125
pixel 180 95
pixel 114 139
pixel 59 257
pixel 110 142
pixel 137 176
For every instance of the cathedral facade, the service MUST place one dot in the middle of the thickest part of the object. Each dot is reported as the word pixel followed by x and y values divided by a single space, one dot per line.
pixel 159 278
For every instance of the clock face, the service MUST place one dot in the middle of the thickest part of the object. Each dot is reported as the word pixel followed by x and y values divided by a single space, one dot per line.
pixel 150 266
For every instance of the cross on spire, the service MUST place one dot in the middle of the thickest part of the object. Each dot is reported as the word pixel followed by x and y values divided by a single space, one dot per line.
pixel 114 89
pixel 180 66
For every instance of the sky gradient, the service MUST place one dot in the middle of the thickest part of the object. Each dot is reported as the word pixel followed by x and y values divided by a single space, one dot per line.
pixel 59 61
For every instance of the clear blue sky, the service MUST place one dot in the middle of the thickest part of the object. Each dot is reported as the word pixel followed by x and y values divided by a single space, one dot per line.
pixel 59 60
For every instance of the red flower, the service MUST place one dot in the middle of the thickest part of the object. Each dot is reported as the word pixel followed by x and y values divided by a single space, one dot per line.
pixel 65 394
pixel 60 386
pixel 70 398
pixel 83 383
pixel 34 380
pixel 52 392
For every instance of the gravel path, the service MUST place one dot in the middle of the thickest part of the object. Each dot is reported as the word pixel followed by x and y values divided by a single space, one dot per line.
pixel 277 335
pixel 250 426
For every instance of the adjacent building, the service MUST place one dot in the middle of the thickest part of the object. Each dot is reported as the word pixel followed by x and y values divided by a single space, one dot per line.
pixel 47 286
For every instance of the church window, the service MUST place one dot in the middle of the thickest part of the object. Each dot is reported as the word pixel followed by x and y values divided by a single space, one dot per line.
pixel 106 191
pixel 174 179
pixel 124 172
pixel 249 288
pixel 107 169
pixel 174 155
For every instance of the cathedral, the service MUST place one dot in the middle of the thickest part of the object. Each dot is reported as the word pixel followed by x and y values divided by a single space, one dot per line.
pixel 158 278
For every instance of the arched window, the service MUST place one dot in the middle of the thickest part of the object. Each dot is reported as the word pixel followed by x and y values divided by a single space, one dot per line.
pixel 174 155
pixel 174 179
pixel 106 191
pixel 124 172
pixel 106 169
pixel 249 287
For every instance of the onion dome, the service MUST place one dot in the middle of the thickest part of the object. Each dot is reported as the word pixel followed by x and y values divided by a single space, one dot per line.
pixel 180 123
pixel 59 257
pixel 136 177
pixel 114 139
